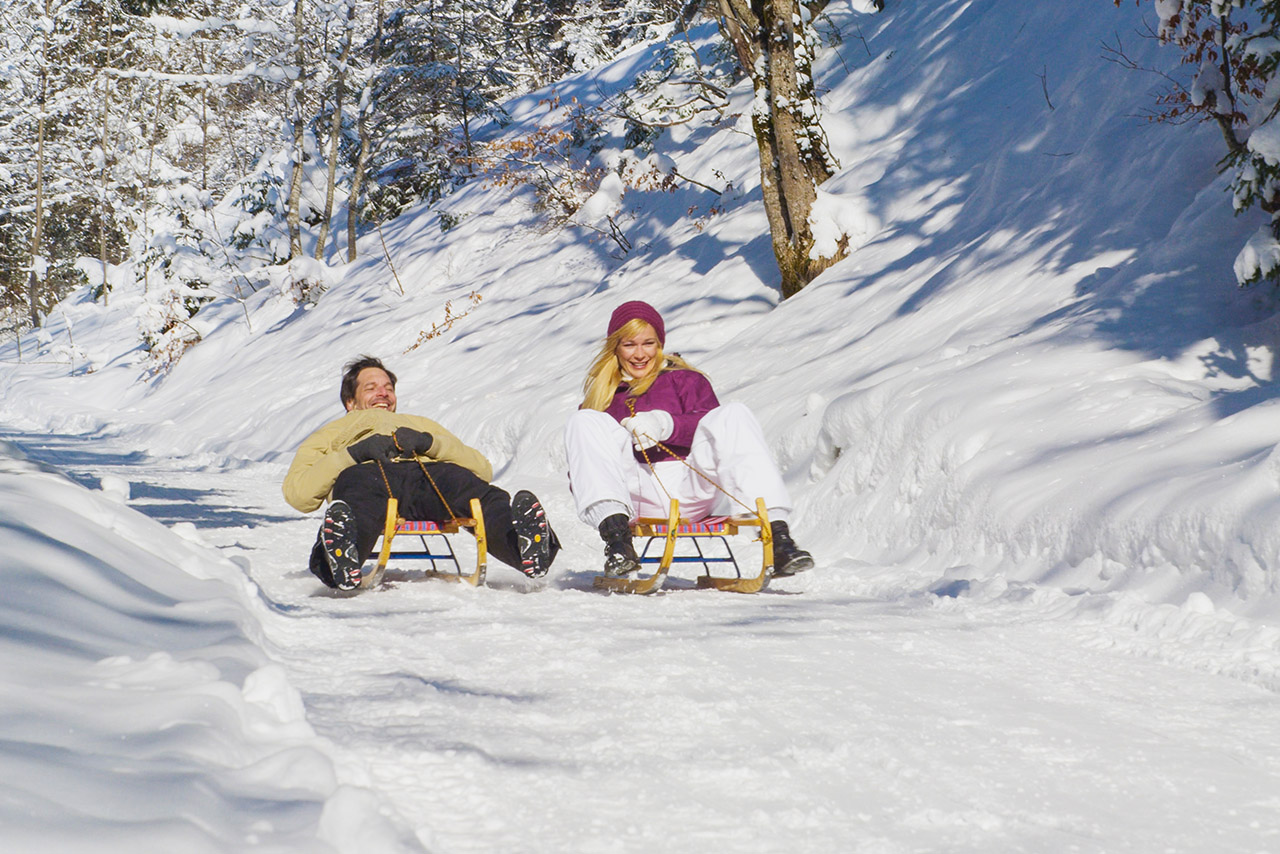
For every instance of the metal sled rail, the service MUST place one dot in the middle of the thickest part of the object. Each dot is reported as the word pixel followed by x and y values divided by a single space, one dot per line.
pixel 673 528
pixel 395 526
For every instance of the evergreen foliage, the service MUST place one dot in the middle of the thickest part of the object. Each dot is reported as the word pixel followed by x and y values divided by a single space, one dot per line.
pixel 1231 49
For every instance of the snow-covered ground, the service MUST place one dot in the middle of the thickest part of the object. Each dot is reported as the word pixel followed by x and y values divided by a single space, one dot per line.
pixel 1030 426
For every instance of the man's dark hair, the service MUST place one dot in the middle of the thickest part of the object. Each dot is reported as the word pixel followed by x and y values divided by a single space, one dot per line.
pixel 351 372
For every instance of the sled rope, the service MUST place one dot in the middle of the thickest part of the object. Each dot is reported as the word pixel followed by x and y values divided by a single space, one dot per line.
pixel 631 407
pixel 431 480
pixel 427 474
pixel 385 482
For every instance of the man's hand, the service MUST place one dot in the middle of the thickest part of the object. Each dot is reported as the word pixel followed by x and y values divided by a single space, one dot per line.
pixel 414 442
pixel 649 428
pixel 375 447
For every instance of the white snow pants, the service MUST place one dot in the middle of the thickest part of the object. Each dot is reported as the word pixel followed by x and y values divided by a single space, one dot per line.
pixel 728 447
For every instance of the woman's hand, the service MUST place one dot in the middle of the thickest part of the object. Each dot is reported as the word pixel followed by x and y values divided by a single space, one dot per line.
pixel 649 428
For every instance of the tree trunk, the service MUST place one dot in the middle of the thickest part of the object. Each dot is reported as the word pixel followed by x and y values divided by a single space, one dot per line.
pixel 335 130
pixel 37 231
pixel 366 141
pixel 772 45
pixel 464 99
pixel 296 106
pixel 148 183
pixel 357 183
pixel 103 206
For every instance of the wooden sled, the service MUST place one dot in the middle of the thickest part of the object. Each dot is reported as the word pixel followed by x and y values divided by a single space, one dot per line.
pixel 396 526
pixel 673 528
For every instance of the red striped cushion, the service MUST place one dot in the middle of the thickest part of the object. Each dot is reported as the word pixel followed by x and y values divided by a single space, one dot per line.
pixel 714 525
pixel 417 526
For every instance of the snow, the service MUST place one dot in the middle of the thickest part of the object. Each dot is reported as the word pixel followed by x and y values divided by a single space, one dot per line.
pixel 1209 82
pixel 603 203
pixel 1030 425
pixel 1259 255
pixel 1265 142
pixel 835 218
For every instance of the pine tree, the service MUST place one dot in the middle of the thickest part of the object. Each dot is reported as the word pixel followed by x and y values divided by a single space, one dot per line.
pixel 1231 49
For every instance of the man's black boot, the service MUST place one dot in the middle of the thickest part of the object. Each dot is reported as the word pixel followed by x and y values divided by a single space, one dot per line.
pixel 338 540
pixel 536 541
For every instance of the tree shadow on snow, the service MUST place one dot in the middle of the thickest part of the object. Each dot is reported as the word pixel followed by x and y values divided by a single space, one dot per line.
pixel 1062 179
pixel 79 459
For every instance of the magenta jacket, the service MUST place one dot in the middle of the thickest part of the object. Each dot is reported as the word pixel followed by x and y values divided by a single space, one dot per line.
pixel 687 395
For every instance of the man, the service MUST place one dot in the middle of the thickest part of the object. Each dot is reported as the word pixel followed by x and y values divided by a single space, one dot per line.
pixel 372 452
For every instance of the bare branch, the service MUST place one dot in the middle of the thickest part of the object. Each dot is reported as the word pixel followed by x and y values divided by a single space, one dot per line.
pixel 1044 86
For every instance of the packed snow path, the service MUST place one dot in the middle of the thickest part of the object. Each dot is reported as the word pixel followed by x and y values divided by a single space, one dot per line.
pixel 846 710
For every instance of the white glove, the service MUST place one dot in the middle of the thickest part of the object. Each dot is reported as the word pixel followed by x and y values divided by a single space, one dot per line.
pixel 649 428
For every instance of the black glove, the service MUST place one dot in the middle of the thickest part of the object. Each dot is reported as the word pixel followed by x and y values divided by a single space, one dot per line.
pixel 375 447
pixel 411 441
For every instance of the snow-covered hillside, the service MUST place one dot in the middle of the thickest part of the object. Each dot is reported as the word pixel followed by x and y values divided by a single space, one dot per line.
pixel 1030 425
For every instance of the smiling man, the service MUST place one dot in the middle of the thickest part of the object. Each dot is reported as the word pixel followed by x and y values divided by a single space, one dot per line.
pixel 355 460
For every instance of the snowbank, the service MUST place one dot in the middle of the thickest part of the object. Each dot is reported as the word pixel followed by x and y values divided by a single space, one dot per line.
pixel 140 709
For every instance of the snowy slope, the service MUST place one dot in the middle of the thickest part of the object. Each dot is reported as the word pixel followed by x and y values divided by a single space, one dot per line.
pixel 1029 424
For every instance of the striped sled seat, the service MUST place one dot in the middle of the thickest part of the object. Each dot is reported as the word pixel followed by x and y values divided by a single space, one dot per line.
pixel 398 527
pixel 675 528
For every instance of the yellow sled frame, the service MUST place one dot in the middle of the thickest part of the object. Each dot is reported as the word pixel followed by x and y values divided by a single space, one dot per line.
pixel 673 528
pixel 395 525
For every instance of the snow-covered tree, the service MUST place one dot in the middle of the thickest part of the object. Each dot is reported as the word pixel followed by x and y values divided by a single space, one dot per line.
pixel 338 59
pixel 1231 50
pixel 45 134
pixel 445 69
pixel 1252 58
pixel 776 45
pixel 203 143
pixel 446 66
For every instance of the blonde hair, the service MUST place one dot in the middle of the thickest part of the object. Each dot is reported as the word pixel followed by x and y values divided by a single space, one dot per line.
pixel 605 374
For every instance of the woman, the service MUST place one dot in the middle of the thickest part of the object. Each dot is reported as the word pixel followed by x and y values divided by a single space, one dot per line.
pixel 651 429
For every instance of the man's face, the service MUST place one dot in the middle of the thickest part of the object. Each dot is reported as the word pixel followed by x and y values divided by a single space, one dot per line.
pixel 374 390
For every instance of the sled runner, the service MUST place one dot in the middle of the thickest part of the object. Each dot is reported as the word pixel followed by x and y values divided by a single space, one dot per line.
pixel 397 526
pixel 673 528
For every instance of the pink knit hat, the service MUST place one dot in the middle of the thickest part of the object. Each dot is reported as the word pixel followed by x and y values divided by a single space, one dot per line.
pixel 637 310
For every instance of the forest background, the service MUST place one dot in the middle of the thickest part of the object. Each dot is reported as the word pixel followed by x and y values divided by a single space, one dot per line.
pixel 213 147
pixel 209 142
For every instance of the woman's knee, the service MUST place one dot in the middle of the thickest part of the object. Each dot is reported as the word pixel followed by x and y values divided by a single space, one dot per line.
pixel 590 421
pixel 594 433
pixel 727 415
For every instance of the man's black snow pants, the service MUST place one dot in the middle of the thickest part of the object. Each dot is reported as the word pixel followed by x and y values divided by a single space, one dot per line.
pixel 365 492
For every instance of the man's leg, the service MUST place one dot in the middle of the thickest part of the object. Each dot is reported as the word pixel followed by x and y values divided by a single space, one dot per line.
pixel 420 499
pixel 352 523
pixel 319 564
pixel 363 489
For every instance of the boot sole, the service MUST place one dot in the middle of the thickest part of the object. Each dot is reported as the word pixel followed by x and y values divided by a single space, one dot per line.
pixel 533 533
pixel 340 550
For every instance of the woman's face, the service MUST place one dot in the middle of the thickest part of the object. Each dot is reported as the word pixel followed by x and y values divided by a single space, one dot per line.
pixel 637 354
